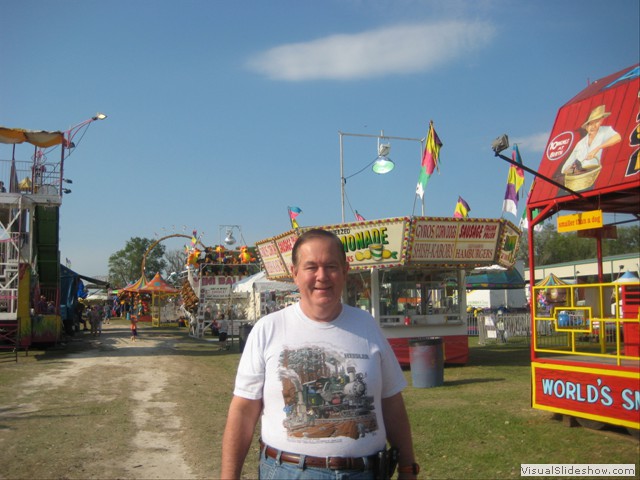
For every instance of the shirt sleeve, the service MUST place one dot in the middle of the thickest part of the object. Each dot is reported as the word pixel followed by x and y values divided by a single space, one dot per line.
pixel 251 370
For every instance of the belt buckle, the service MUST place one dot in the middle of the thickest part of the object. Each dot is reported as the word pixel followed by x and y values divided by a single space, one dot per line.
pixel 328 463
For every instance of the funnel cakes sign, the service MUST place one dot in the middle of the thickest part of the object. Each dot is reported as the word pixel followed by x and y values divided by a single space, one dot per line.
pixel 417 241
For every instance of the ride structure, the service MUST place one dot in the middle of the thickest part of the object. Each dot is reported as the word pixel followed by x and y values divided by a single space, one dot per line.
pixel 30 200
pixel 207 289
pixel 585 350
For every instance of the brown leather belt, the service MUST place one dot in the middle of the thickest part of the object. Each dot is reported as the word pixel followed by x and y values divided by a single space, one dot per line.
pixel 332 463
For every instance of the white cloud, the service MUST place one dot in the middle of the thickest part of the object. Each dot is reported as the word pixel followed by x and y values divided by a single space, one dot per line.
pixel 399 49
pixel 536 142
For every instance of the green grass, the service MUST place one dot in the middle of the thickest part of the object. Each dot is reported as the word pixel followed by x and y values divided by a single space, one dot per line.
pixel 478 425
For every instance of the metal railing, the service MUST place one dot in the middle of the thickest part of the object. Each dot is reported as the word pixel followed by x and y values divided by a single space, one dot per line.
pixel 597 320
pixel 32 177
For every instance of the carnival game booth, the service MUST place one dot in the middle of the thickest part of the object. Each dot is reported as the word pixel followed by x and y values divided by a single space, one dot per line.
pixel 409 272
pixel 585 359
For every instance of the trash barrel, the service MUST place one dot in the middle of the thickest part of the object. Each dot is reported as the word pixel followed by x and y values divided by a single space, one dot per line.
pixel 245 329
pixel 427 362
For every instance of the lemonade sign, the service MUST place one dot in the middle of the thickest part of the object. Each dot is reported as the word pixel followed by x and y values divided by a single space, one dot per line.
pixel 375 243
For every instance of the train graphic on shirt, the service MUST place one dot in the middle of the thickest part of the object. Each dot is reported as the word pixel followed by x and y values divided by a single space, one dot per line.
pixel 324 395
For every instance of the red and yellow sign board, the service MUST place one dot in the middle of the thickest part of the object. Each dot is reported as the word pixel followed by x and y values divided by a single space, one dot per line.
pixel 454 242
pixel 605 395
pixel 374 244
pixel 580 221
pixel 420 241
pixel 271 259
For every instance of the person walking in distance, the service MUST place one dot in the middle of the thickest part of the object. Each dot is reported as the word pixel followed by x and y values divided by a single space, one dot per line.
pixel 323 379
pixel 134 328
pixel 223 332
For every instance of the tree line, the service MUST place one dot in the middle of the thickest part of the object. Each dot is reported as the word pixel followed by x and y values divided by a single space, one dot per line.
pixel 551 247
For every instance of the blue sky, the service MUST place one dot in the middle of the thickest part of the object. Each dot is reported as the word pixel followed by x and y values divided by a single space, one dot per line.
pixel 225 113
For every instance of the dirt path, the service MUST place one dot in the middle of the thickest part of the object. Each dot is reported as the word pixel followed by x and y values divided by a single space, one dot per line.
pixel 119 417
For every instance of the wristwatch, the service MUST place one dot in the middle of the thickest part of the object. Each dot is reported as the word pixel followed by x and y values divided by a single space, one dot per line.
pixel 413 468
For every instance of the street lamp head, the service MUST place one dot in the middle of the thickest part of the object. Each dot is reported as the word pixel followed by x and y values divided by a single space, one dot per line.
pixel 99 116
pixel 382 165
pixel 229 239
pixel 500 144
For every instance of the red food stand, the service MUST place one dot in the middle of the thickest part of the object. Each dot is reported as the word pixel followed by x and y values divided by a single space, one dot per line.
pixel 585 355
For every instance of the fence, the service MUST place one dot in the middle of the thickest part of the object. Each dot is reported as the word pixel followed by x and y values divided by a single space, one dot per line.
pixel 39 176
pixel 501 328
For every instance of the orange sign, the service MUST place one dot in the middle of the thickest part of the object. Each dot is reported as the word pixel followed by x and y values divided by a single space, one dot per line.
pixel 580 221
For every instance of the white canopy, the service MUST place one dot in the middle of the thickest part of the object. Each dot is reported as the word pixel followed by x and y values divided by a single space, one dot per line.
pixel 254 286
pixel 259 283
pixel 97 297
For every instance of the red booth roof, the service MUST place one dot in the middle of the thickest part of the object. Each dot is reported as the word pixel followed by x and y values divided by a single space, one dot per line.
pixel 615 187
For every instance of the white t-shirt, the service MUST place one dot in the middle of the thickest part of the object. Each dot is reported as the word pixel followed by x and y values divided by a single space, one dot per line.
pixel 322 382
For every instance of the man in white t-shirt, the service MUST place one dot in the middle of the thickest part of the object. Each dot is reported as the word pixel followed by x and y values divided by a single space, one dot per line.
pixel 325 380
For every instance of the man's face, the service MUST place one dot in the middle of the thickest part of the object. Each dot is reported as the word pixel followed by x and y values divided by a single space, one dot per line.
pixel 320 277
pixel 593 126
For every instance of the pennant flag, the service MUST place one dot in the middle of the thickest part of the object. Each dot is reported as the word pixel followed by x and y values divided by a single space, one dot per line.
pixel 430 160
pixel 67 262
pixel 462 209
pixel 515 155
pixel 515 181
pixel 293 213
pixel 524 223
pixel 359 217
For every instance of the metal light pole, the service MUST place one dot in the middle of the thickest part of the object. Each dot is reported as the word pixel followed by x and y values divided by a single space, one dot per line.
pixel 68 144
pixel 381 136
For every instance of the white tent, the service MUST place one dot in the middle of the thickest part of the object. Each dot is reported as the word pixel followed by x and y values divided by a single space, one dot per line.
pixel 257 284
pixel 97 297
pixel 260 283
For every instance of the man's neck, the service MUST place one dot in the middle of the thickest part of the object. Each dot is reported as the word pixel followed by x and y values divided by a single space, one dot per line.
pixel 321 314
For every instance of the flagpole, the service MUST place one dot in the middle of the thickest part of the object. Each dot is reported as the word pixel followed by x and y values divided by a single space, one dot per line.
pixel 416 195
pixel 342 179
pixel 422 147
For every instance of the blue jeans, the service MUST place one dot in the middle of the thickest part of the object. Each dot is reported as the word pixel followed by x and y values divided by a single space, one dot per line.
pixel 271 470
